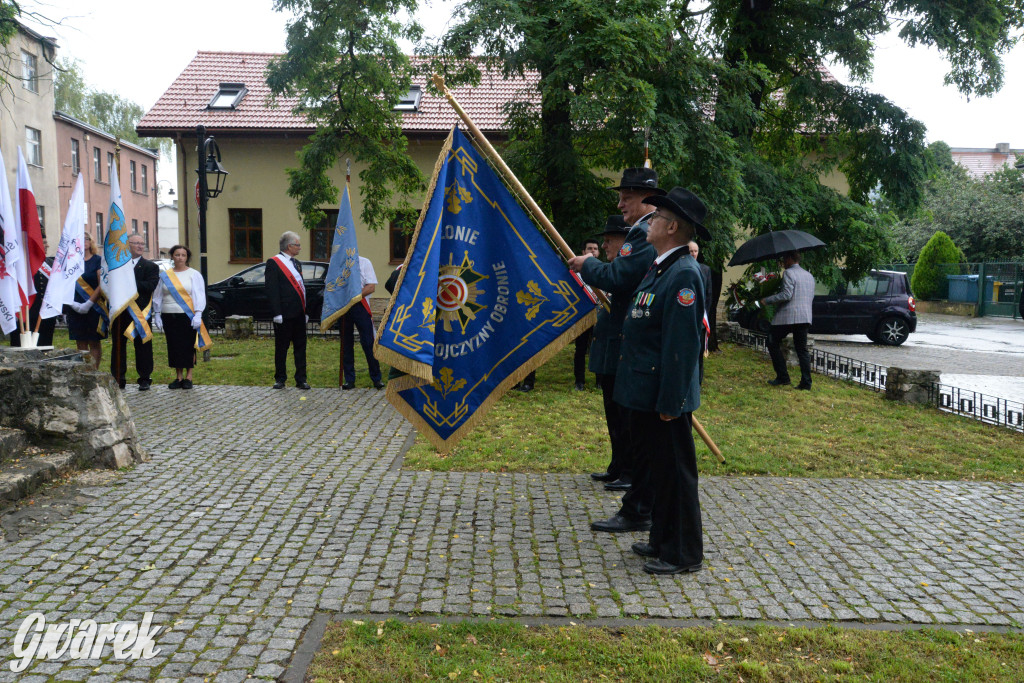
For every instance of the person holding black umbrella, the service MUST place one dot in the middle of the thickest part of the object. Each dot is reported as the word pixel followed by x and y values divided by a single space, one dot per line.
pixel 793 316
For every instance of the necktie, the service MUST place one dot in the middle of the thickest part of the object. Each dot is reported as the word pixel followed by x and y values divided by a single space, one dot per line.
pixel 298 266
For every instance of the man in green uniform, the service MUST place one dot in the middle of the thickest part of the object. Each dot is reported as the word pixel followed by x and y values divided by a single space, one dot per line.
pixel 658 380
pixel 619 278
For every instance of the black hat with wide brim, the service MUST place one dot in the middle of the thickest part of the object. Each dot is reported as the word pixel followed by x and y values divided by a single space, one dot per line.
pixel 685 204
pixel 641 179
pixel 616 225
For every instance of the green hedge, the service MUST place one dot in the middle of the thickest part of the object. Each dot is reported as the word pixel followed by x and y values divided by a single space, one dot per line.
pixel 928 277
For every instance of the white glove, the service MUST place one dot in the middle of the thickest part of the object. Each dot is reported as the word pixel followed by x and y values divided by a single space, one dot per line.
pixel 307 318
pixel 81 307
pixel 158 322
pixel 197 320
pixel 278 319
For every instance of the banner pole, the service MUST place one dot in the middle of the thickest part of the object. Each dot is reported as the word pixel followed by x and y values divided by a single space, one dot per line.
pixel 496 159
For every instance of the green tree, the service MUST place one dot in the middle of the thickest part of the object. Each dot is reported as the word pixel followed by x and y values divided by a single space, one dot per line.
pixel 111 113
pixel 928 278
pixel 344 64
pixel 733 95
pixel 985 217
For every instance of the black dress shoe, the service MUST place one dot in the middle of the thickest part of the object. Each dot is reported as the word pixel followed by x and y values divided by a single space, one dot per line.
pixel 580 386
pixel 778 382
pixel 348 385
pixel 617 523
pixel 803 387
pixel 186 384
pixel 303 385
pixel 144 387
pixel 663 567
pixel 176 384
pixel 603 476
pixel 279 385
pixel 619 485
pixel 644 549
pixel 378 385
pixel 525 388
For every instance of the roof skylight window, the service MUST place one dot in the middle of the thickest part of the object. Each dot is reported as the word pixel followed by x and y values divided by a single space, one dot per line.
pixel 411 101
pixel 228 96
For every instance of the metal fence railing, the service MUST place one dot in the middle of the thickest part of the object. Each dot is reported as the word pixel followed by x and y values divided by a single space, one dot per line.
pixel 982 407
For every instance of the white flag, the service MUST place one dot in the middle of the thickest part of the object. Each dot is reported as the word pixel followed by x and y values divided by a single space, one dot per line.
pixel 69 264
pixel 10 255
pixel 118 274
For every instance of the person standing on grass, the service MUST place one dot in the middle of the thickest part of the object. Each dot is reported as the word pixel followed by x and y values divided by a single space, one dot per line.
pixel 360 317
pixel 793 316
pixel 147 275
pixel 619 278
pixel 286 294
pixel 178 305
pixel 658 380
pixel 85 325
pixel 582 342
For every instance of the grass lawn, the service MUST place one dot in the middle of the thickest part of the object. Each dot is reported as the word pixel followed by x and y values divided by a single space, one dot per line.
pixel 505 651
pixel 836 430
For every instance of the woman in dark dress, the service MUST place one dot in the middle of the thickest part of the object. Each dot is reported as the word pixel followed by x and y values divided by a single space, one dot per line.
pixel 83 319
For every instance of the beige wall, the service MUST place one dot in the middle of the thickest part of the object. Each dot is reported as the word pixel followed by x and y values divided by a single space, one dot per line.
pixel 257 180
pixel 20 107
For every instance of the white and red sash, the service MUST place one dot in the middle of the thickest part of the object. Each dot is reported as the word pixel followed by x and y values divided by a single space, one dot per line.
pixel 285 264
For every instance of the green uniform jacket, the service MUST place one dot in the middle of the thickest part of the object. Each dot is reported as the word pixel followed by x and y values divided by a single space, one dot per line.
pixel 662 340
pixel 619 278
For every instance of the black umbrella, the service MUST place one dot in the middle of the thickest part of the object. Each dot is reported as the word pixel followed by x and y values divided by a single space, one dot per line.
pixel 772 245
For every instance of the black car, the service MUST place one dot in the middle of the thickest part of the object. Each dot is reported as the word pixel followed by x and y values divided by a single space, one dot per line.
pixel 879 306
pixel 244 294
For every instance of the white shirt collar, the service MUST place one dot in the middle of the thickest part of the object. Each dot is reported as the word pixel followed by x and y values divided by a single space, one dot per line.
pixel 643 218
pixel 664 256
pixel 135 261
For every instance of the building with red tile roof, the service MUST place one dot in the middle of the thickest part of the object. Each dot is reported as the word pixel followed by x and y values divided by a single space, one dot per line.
pixel 227 93
pixel 981 161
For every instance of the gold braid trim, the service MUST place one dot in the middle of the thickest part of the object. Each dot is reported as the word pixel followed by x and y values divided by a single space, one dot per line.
pixel 333 317
pixel 445 446
pixel 389 356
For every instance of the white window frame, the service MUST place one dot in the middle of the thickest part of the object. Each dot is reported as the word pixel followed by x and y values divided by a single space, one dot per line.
pixel 29 71
pixel 33 147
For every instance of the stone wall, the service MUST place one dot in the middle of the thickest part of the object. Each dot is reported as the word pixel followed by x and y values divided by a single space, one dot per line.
pixel 57 399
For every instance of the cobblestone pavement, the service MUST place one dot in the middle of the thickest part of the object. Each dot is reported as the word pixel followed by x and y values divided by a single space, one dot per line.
pixel 291 503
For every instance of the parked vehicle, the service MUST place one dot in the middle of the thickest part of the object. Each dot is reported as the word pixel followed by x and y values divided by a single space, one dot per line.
pixel 880 306
pixel 244 294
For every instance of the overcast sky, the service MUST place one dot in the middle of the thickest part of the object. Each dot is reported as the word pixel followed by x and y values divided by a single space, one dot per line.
pixel 137 50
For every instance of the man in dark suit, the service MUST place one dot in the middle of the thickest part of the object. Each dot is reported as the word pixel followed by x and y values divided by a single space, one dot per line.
pixel 286 294
pixel 147 274
pixel 619 278
pixel 658 380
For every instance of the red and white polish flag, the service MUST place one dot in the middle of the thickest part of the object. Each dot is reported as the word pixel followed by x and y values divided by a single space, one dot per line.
pixel 10 257
pixel 26 216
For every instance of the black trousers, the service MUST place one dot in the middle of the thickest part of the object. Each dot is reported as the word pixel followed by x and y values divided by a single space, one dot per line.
pixel 291 332
pixel 638 501
pixel 357 317
pixel 676 530
pixel 579 358
pixel 621 465
pixel 181 340
pixel 119 354
pixel 775 337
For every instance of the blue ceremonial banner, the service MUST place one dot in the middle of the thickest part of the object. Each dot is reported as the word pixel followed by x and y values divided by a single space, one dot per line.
pixel 343 286
pixel 482 300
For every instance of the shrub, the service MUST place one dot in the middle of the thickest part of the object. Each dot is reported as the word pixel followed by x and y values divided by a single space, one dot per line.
pixel 929 279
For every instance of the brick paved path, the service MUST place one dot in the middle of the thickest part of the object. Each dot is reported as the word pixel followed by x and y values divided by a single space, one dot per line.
pixel 286 507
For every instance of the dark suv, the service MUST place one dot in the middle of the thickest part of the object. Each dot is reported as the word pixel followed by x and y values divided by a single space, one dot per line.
pixel 880 306
pixel 244 294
